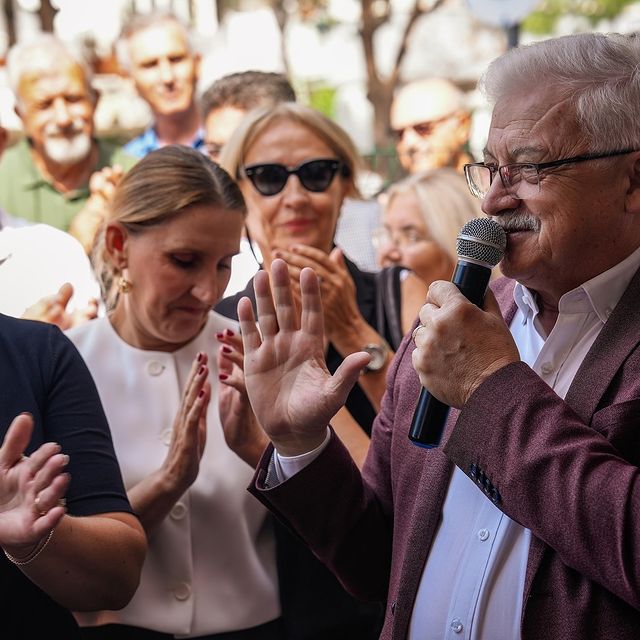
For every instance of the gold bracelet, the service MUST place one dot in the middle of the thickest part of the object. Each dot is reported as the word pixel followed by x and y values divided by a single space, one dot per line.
pixel 33 555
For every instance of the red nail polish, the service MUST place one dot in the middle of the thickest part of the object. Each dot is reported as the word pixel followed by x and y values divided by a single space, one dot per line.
pixel 199 358
pixel 226 349
pixel 222 376
pixel 201 393
pixel 229 332
pixel 219 336
pixel 201 370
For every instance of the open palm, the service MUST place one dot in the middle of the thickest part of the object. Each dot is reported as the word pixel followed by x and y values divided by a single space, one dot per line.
pixel 291 391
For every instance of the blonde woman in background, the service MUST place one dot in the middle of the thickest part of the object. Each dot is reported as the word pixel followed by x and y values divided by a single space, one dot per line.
pixel 422 217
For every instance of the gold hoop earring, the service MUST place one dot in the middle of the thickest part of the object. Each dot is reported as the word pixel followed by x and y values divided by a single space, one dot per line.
pixel 124 285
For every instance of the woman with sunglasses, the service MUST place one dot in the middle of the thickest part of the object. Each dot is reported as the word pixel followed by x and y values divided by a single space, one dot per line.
pixel 295 167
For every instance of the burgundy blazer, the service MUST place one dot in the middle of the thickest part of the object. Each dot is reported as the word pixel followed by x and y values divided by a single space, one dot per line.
pixel 565 469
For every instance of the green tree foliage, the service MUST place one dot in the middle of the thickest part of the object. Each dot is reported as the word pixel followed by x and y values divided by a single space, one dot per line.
pixel 543 19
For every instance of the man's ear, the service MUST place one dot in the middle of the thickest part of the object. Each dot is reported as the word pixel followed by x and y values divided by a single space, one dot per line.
pixel 463 128
pixel 116 244
pixel 632 197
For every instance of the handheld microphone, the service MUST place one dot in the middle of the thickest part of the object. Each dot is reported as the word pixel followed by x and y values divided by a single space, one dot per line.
pixel 480 246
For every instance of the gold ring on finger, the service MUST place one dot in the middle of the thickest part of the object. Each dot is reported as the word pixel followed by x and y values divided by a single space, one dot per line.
pixel 37 508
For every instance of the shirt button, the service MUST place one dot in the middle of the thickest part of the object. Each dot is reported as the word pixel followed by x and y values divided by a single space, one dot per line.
pixel 546 368
pixel 155 368
pixel 165 436
pixel 179 510
pixel 182 591
pixel 483 534
pixel 456 625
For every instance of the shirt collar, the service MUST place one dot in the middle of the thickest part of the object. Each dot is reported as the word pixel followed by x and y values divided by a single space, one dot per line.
pixel 149 140
pixel 600 294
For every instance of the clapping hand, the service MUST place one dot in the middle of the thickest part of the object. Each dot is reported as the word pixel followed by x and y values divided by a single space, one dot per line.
pixel 31 488
pixel 290 388
pixel 339 304
pixel 241 430
pixel 189 434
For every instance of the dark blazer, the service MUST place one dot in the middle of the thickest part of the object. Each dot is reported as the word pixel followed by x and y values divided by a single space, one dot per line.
pixel 565 469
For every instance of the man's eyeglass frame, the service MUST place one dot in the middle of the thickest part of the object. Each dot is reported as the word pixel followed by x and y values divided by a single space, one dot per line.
pixel 504 169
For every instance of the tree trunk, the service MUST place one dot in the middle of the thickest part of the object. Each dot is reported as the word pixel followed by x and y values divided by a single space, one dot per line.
pixel 47 14
pixel 380 90
pixel 10 19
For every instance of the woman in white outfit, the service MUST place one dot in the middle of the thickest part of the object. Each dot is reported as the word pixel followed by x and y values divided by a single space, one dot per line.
pixel 164 258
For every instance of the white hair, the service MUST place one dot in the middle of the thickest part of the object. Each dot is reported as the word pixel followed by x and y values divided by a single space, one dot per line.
pixel 43 53
pixel 143 21
pixel 599 73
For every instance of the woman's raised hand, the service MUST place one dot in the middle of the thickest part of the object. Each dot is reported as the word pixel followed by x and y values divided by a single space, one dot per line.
pixel 31 488
pixel 290 388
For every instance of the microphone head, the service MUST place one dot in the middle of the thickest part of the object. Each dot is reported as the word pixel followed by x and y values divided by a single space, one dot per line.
pixel 482 240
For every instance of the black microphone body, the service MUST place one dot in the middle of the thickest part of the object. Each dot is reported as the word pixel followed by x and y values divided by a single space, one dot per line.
pixel 471 276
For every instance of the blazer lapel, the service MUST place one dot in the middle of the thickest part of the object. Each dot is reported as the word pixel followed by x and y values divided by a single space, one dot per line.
pixel 619 336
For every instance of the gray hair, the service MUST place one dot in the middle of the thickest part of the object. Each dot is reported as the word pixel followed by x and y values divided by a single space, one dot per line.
pixel 599 73
pixel 142 21
pixel 43 53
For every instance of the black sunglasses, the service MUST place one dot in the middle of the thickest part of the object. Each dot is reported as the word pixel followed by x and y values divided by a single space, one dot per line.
pixel 314 175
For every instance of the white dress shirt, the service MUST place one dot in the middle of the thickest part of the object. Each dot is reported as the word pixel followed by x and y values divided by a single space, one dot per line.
pixel 473 581
pixel 35 261
pixel 211 564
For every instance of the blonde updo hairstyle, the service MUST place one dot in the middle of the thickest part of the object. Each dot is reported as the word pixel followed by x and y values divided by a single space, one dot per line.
pixel 258 120
pixel 158 188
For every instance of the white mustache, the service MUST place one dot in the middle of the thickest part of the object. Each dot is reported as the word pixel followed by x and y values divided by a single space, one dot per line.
pixel 52 130
pixel 517 222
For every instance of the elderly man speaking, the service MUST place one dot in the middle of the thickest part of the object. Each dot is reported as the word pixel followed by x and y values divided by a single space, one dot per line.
pixel 525 523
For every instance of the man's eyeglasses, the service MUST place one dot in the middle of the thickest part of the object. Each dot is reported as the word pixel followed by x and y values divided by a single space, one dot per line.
pixel 423 129
pixel 314 175
pixel 522 179
pixel 407 237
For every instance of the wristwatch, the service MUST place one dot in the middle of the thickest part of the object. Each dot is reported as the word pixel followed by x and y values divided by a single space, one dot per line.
pixel 378 353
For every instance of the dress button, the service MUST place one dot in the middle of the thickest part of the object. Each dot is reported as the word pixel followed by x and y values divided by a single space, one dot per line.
pixel 483 534
pixel 456 625
pixel 182 591
pixel 546 368
pixel 155 368
pixel 178 512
